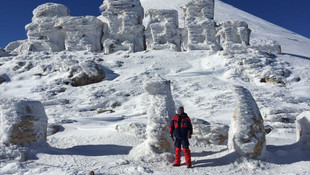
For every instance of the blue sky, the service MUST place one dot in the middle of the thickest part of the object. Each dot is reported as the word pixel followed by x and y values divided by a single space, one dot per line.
pixel 290 14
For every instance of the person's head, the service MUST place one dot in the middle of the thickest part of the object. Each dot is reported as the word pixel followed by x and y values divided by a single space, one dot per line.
pixel 181 110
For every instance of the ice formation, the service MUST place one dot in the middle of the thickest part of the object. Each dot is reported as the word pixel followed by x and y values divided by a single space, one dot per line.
pixel 22 121
pixel 246 133
pixel 124 29
pixel 230 33
pixel 303 128
pixel 81 33
pixel 199 31
pixel 160 111
pixel 120 28
pixel 163 31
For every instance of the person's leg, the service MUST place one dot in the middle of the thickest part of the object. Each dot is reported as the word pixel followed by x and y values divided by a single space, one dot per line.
pixel 187 152
pixel 177 145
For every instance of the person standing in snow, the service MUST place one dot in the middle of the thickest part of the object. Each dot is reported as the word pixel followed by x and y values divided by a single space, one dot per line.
pixel 181 129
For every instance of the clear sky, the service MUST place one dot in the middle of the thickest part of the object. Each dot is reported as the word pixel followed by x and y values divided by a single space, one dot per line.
pixel 290 14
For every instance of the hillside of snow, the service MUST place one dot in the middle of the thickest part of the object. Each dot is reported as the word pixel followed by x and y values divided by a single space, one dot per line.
pixel 102 122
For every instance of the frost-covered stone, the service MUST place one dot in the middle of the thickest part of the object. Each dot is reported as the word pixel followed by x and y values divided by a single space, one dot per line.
pixel 3 53
pixel 86 72
pixel 246 132
pixel 42 28
pixel 231 33
pixel 22 122
pixel 124 25
pixel 206 134
pixel 199 31
pixel 4 78
pixel 81 33
pixel 161 109
pixel 303 128
pixel 134 129
pixel 162 31
pixel 50 10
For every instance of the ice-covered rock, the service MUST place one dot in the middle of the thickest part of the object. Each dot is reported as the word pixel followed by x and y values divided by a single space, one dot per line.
pixel 124 30
pixel 163 30
pixel 42 28
pixel 86 72
pixel 134 129
pixel 231 33
pixel 22 122
pixel 160 111
pixel 4 78
pixel 246 133
pixel 199 30
pixel 206 133
pixel 3 53
pixel 303 128
pixel 81 33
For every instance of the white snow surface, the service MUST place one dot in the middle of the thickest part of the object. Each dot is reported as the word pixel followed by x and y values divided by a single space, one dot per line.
pixel 201 81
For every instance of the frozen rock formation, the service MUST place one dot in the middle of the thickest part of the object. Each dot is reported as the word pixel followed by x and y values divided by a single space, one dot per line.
pixel 206 134
pixel 124 30
pixel 86 72
pixel 246 133
pixel 161 109
pixel 231 33
pixel 42 34
pixel 4 78
pixel 162 31
pixel 22 122
pixel 199 32
pixel 81 33
pixel 303 128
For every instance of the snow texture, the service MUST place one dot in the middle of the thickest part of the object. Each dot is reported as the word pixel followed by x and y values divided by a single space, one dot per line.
pixel 124 29
pixel 160 111
pixel 199 29
pixel 303 128
pixel 246 132
pixel 162 31
pixel 22 121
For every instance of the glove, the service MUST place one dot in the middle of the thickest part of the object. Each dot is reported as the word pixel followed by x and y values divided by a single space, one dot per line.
pixel 189 136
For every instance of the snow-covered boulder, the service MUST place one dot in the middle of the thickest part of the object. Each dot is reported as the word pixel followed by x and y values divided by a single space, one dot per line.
pixel 86 72
pixel 231 33
pixel 303 128
pixel 199 30
pixel 81 33
pixel 246 133
pixel 3 53
pixel 42 28
pixel 206 133
pixel 124 30
pixel 160 111
pixel 163 30
pixel 4 78
pixel 22 122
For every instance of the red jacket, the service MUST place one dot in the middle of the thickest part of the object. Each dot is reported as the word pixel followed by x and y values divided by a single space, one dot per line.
pixel 181 126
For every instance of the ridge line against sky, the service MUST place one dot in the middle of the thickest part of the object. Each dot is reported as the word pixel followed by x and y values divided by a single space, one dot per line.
pixel 290 14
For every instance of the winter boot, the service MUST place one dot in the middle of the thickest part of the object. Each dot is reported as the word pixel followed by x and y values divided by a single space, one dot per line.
pixel 177 160
pixel 187 154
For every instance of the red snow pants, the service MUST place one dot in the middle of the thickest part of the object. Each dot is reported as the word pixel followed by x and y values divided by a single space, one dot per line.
pixel 187 154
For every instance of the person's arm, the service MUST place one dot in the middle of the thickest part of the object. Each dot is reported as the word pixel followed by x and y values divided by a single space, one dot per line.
pixel 190 128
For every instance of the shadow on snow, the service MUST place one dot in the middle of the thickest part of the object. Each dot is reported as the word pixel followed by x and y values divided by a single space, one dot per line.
pixel 90 150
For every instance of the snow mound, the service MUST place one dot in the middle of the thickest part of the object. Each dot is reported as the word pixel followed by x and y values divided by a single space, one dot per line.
pixel 246 132
pixel 303 128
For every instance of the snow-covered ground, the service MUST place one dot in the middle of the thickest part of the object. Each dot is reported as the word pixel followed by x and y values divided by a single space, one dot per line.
pixel 201 80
